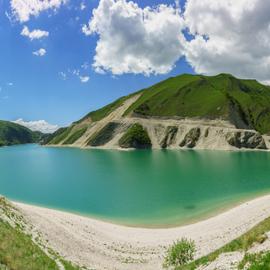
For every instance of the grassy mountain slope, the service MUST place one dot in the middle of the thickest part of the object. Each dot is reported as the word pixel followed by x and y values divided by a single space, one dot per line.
pixel 244 103
pixel 11 134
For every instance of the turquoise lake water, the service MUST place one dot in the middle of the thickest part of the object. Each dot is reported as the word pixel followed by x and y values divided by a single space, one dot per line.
pixel 139 188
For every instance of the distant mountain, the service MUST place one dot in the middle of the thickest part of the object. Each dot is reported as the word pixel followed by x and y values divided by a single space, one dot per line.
pixel 12 134
pixel 178 112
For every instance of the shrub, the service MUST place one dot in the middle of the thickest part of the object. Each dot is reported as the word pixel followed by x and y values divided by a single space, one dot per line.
pixel 135 137
pixel 180 253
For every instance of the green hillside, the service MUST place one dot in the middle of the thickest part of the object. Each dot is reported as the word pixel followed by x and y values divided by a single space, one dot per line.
pixel 11 134
pixel 244 103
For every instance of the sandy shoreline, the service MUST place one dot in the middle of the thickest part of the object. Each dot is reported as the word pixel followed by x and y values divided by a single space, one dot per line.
pixel 100 245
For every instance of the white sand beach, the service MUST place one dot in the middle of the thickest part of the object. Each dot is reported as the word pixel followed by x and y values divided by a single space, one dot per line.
pixel 100 245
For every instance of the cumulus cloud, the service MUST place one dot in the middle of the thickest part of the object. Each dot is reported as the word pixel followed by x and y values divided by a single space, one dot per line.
pixel 40 125
pixel 136 40
pixel 34 34
pixel 40 52
pixel 22 10
pixel 229 36
pixel 224 36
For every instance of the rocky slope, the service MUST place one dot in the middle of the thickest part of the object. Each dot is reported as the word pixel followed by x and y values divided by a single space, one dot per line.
pixel 187 111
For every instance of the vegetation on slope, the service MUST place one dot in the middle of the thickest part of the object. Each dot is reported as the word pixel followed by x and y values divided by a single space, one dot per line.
pixel 104 135
pixel 12 134
pixel 17 249
pixel 135 137
pixel 245 103
pixel 58 136
pixel 75 136
pixel 105 111
pixel 243 243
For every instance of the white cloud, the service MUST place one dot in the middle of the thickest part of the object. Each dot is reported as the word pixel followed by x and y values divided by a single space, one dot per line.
pixel 35 34
pixel 82 6
pixel 84 79
pixel 226 36
pixel 40 125
pixel 40 52
pixel 9 84
pixel 22 10
pixel 229 36
pixel 76 73
pixel 136 40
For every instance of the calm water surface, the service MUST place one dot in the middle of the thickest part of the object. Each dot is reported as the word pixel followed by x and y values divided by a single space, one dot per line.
pixel 152 188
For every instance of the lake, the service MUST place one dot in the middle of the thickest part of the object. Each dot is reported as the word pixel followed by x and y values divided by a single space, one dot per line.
pixel 138 188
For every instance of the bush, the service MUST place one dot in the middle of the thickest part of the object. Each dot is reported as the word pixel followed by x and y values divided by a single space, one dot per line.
pixel 180 253
pixel 135 137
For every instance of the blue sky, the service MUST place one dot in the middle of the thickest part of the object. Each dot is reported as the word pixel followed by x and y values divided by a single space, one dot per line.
pixel 38 91
pixel 52 70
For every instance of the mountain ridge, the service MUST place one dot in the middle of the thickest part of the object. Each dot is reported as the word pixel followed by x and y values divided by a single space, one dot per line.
pixel 242 104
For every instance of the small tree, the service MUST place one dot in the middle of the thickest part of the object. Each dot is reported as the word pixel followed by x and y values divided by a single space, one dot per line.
pixel 180 253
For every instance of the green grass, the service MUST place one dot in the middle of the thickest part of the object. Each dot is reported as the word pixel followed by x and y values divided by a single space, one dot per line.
pixel 59 135
pixel 75 136
pixel 17 249
pixel 243 243
pixel 105 111
pixel 257 261
pixel 162 87
pixel 69 266
pixel 135 137
pixel 222 96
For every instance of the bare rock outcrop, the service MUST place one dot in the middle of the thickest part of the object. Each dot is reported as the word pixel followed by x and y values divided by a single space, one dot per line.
pixel 246 139
pixel 170 136
pixel 191 138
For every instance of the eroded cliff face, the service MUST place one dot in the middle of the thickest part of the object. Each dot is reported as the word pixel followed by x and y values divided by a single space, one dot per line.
pixel 114 132
pixel 172 134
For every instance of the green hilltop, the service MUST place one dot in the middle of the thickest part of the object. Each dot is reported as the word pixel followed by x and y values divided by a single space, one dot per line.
pixel 12 134
pixel 245 103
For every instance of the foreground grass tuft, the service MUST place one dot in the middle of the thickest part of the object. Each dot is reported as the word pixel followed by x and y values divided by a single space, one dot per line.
pixel 180 253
